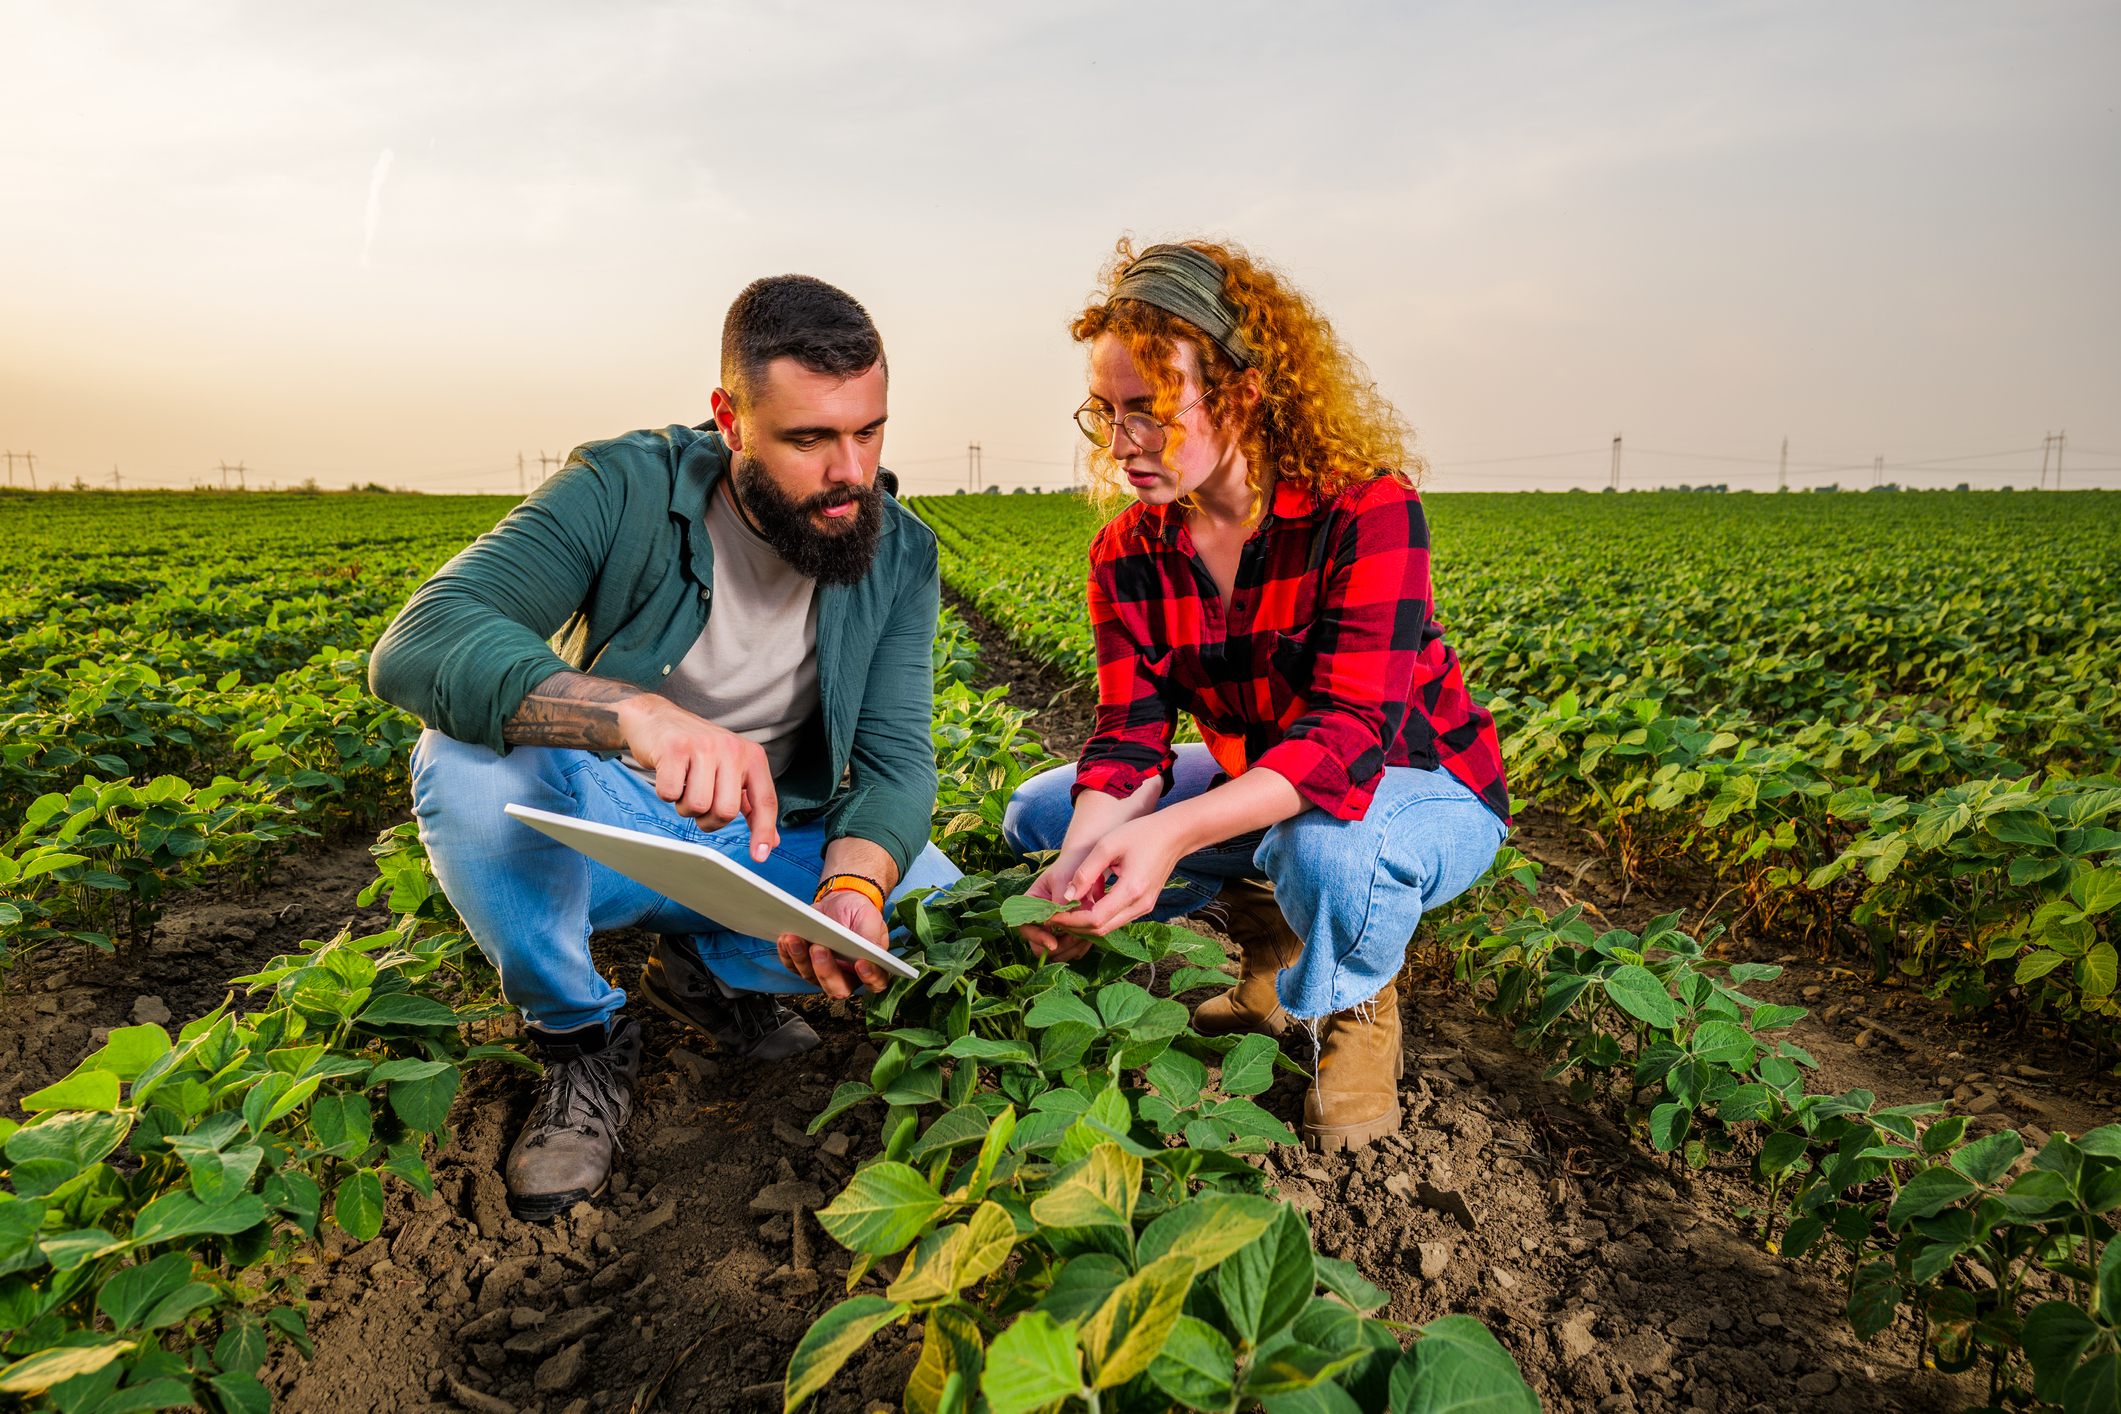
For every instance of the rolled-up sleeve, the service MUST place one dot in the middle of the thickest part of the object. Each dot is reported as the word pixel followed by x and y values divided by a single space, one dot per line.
pixel 474 639
pixel 1369 665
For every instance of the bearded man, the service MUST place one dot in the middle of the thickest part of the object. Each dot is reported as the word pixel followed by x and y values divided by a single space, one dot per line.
pixel 721 634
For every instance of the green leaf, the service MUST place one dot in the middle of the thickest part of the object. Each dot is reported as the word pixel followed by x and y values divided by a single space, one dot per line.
pixel 1177 1078
pixel 1207 1228
pixel 1266 1282
pixel 181 1214
pixel 1196 1367
pixel 1874 1297
pixel 1249 1067
pixel 2097 891
pixel 1082 1286
pixel 20 1222
pixel 1987 1160
pixel 358 1205
pixel 1058 1004
pixel 86 1090
pixel 1774 1018
pixel 129 1051
pixel 1287 1366
pixel 1023 908
pixel 241 1393
pixel 960 1126
pixel 1030 1365
pixel 1636 991
pixel 2035 965
pixel 1927 1194
pixel 981 1048
pixel 405 1009
pixel 1668 1126
pixel 423 1101
pixel 1343 1280
pixel 2096 1387
pixel 2096 973
pixel 826 1346
pixel 341 1124
pixel 881 1209
pixel 850 1094
pixel 2056 1335
pixel 1457 1367
pixel 1129 1329
pixel 1188 979
pixel 178 1305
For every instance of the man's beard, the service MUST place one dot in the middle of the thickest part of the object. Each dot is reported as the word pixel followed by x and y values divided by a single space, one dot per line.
pixel 838 556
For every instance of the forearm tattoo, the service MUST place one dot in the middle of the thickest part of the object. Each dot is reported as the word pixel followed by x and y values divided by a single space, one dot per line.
pixel 571 710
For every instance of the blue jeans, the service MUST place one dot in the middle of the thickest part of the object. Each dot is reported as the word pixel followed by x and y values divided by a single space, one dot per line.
pixel 532 902
pixel 1353 890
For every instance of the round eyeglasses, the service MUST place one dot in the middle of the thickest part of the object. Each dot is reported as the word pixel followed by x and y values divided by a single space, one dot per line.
pixel 1144 431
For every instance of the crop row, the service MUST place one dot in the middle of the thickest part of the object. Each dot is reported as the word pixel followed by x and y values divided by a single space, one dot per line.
pixel 2000 1258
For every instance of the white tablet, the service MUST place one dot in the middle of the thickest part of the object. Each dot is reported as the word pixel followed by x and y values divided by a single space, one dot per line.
pixel 708 884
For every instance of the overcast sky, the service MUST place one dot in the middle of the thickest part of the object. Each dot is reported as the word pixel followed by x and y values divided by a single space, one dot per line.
pixel 404 243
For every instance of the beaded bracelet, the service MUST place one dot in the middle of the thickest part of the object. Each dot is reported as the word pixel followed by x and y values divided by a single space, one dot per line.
pixel 851 883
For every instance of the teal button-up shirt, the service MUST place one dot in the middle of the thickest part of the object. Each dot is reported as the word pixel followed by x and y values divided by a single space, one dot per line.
pixel 607 569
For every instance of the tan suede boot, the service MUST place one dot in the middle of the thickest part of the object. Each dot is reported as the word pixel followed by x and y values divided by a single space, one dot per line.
pixel 1354 1099
pixel 1268 945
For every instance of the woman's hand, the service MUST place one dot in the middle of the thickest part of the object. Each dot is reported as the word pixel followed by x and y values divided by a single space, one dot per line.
pixel 1052 886
pixel 1141 856
pixel 825 969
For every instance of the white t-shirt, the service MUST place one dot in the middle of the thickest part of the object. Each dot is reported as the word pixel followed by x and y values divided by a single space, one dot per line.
pixel 753 669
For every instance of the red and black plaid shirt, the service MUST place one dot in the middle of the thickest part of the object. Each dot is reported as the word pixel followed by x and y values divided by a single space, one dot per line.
pixel 1327 666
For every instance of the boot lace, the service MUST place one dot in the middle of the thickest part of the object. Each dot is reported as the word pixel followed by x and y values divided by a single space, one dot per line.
pixel 582 1095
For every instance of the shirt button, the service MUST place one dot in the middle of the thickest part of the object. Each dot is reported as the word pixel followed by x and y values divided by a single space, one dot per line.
pixel 666 670
pixel 705 594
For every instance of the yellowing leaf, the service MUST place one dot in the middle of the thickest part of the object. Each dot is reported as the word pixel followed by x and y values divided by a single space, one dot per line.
pixel 1130 1328
pixel 989 1237
pixel 1099 1194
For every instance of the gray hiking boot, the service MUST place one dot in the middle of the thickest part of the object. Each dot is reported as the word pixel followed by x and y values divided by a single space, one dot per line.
pixel 750 1024
pixel 563 1156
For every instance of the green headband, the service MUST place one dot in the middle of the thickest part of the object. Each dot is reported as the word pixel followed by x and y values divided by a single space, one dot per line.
pixel 1180 280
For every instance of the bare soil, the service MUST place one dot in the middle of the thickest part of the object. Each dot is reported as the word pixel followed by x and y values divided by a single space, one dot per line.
pixel 1617 1283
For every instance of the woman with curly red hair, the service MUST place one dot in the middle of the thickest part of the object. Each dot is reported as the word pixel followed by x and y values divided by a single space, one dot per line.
pixel 1272 580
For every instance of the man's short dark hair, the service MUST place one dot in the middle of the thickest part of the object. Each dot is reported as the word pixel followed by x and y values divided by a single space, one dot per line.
pixel 794 316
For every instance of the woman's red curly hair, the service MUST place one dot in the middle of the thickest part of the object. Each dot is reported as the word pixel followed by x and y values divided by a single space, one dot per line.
pixel 1320 421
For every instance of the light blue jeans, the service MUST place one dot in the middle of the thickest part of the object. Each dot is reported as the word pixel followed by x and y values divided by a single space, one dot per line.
pixel 532 902
pixel 1353 890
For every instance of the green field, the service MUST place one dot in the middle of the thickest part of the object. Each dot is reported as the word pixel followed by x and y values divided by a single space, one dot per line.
pixel 1887 722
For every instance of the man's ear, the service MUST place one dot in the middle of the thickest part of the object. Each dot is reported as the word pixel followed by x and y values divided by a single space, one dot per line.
pixel 725 419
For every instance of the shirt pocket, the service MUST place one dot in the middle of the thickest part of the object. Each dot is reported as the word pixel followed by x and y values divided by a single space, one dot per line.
pixel 1292 658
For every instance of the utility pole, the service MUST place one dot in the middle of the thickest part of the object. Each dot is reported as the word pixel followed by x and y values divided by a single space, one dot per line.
pixel 2060 439
pixel 545 464
pixel 10 468
pixel 1616 461
pixel 972 467
pixel 1782 477
pixel 1878 470
pixel 520 488
pixel 117 482
pixel 239 478
pixel 31 458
